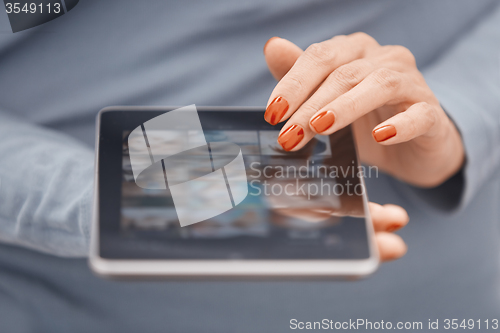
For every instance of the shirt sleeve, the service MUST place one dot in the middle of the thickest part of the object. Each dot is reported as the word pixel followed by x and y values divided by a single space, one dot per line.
pixel 466 80
pixel 46 182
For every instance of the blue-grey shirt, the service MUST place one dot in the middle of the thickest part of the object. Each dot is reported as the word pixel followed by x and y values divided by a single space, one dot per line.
pixel 54 79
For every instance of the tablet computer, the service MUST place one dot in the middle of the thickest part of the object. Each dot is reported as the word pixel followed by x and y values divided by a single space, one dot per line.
pixel 268 213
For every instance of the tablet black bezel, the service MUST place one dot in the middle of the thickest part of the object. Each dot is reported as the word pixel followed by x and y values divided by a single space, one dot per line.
pixel 112 123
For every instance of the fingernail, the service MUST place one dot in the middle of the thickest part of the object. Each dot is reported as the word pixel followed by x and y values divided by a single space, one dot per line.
pixel 291 137
pixel 383 133
pixel 392 228
pixel 270 39
pixel 323 121
pixel 276 110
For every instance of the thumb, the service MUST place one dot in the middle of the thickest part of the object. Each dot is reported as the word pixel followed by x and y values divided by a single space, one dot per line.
pixel 280 55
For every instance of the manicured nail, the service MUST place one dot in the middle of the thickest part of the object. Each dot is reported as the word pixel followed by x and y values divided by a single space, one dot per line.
pixel 276 110
pixel 383 133
pixel 392 228
pixel 323 121
pixel 270 39
pixel 291 137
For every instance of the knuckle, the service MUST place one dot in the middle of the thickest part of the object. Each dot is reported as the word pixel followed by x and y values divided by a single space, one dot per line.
pixel 402 53
pixel 319 53
pixel 364 37
pixel 295 83
pixel 419 80
pixel 425 107
pixel 420 121
pixel 347 74
pixel 411 121
pixel 428 112
pixel 361 35
pixel 349 104
pixel 387 78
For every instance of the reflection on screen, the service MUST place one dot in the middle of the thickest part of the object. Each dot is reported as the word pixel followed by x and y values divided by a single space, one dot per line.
pixel 304 204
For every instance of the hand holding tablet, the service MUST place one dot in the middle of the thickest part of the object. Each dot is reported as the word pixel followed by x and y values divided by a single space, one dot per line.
pixel 300 217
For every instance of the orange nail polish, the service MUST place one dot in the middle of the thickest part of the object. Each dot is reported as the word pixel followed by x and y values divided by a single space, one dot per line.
pixel 383 133
pixel 392 228
pixel 291 137
pixel 276 110
pixel 270 39
pixel 323 121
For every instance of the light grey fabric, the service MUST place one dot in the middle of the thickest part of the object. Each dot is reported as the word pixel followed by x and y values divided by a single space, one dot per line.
pixel 46 189
pixel 466 79
pixel 56 77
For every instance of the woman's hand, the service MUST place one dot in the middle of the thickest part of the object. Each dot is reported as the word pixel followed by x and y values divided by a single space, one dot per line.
pixel 387 219
pixel 398 122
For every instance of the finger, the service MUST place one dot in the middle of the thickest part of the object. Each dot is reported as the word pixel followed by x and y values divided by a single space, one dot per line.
pixel 310 69
pixel 388 217
pixel 417 120
pixel 280 56
pixel 337 83
pixel 390 246
pixel 381 87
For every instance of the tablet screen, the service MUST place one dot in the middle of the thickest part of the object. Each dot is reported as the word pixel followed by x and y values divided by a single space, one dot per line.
pixel 301 205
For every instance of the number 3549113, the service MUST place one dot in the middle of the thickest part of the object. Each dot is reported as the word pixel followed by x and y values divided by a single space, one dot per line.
pixel 33 8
